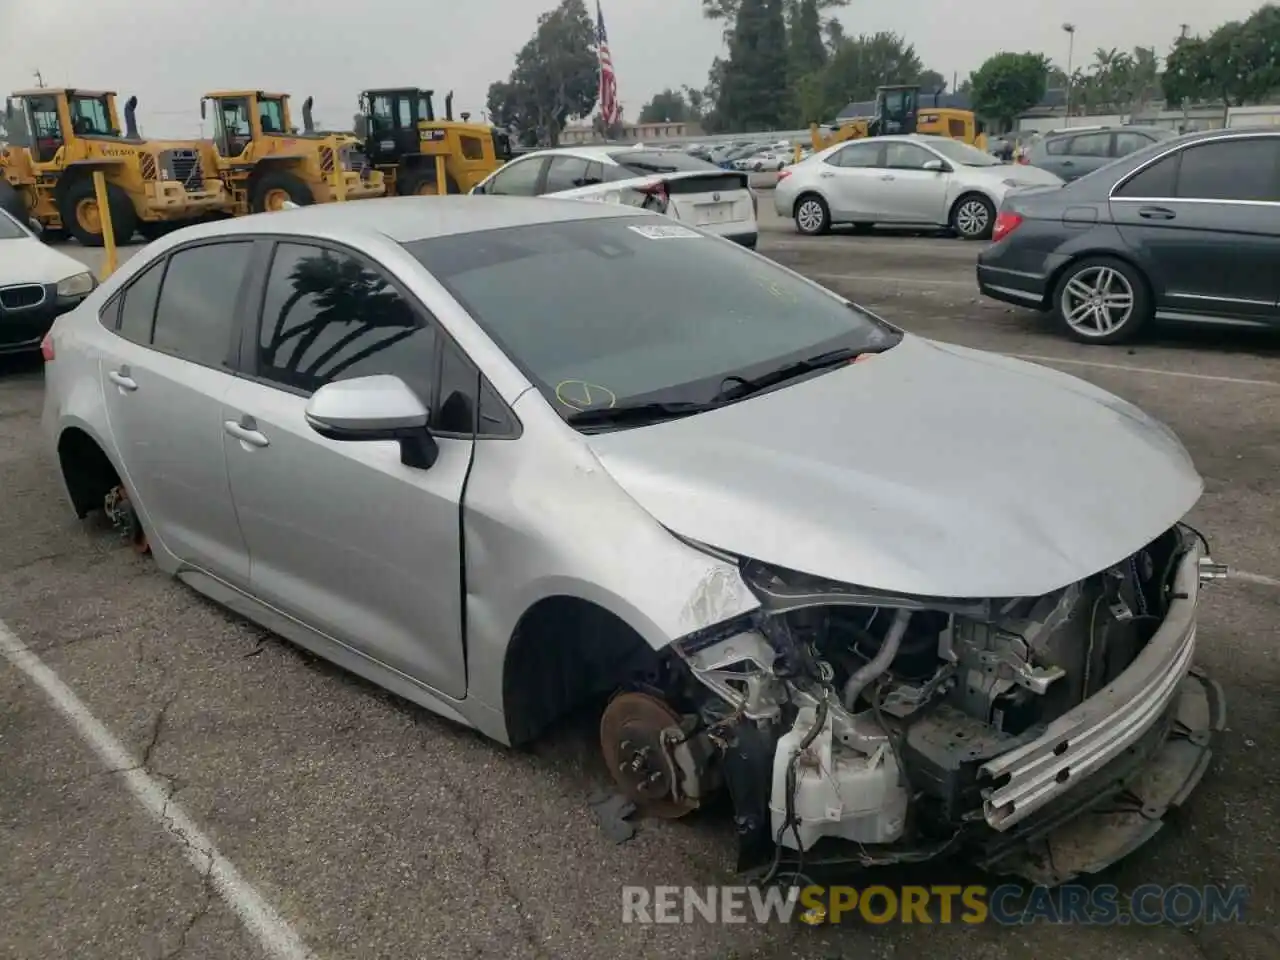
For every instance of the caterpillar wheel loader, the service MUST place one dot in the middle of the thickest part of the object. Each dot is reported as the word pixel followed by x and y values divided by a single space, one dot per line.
pixel 898 110
pixel 60 137
pixel 406 142
pixel 264 161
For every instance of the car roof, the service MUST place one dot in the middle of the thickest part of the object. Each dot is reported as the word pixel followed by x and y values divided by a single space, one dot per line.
pixel 405 219
pixel 602 152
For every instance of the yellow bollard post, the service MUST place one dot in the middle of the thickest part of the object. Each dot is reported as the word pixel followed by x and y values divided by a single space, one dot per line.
pixel 796 157
pixel 104 221
pixel 442 180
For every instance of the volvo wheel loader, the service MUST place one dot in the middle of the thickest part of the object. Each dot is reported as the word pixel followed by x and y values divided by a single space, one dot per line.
pixel 898 110
pixel 263 161
pixel 412 148
pixel 60 137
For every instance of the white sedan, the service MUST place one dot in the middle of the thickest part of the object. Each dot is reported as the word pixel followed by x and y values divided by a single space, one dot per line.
pixel 37 284
pixel 671 182
pixel 902 180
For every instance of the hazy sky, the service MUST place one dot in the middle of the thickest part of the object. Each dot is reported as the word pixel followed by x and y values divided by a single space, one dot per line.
pixel 168 52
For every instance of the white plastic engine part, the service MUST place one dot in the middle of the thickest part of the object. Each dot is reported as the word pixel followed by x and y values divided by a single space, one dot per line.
pixel 839 792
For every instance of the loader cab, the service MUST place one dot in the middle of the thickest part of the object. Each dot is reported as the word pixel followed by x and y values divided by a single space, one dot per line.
pixel 897 109
pixel 46 120
pixel 242 116
pixel 391 120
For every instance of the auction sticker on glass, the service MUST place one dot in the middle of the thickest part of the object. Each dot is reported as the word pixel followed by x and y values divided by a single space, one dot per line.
pixel 666 232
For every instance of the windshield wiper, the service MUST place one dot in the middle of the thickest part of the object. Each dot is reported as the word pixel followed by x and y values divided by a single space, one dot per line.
pixel 647 412
pixel 788 371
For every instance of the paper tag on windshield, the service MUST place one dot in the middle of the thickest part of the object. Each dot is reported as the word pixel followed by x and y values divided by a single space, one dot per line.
pixel 666 232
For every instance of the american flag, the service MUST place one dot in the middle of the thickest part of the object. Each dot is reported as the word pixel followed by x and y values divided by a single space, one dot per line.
pixel 610 112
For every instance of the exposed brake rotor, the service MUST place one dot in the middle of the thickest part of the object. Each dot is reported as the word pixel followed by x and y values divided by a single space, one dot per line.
pixel 119 510
pixel 631 731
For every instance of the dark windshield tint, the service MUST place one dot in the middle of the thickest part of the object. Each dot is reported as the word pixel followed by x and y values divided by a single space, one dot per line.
pixel 638 308
pixel 645 162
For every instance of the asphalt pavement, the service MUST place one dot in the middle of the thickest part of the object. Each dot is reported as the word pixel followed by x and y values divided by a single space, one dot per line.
pixel 373 829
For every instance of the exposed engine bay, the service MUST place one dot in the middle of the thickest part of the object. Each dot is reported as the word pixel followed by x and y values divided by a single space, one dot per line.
pixel 839 716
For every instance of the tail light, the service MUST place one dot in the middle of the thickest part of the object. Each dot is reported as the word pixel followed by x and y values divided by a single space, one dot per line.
pixel 783 174
pixel 1006 223
pixel 1021 158
pixel 46 347
pixel 656 197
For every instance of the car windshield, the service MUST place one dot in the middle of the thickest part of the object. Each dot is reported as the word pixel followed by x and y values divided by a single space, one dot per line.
pixel 645 162
pixel 963 154
pixel 10 228
pixel 637 309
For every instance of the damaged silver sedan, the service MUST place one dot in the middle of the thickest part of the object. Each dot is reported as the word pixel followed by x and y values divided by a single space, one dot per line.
pixel 507 457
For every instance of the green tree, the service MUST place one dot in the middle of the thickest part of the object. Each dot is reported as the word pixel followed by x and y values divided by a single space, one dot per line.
pixel 931 81
pixel 1238 63
pixel 1009 84
pixel 806 50
pixel 669 105
pixel 754 94
pixel 556 76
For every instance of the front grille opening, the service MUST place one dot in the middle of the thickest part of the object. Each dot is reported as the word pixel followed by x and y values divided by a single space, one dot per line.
pixel 22 296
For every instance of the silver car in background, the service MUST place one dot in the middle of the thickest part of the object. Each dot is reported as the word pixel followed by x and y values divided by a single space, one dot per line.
pixel 912 180
pixel 508 457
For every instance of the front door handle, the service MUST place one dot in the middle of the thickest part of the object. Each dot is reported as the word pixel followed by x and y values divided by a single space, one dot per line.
pixel 887 176
pixel 825 175
pixel 246 434
pixel 122 380
pixel 1156 213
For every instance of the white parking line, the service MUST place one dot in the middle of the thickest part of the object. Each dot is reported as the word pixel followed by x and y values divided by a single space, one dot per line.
pixel 922 281
pixel 273 933
pixel 1247 577
pixel 1126 368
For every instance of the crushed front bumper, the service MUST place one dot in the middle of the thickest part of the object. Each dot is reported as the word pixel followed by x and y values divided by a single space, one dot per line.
pixel 1084 740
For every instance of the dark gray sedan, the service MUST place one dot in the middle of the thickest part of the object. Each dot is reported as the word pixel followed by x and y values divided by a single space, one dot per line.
pixel 1187 229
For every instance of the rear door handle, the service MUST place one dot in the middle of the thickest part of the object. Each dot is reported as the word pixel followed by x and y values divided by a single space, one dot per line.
pixel 122 379
pixel 888 176
pixel 825 174
pixel 246 433
pixel 1156 213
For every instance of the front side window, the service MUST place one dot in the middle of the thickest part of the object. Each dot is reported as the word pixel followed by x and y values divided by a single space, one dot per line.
pixel 328 316
pixel 906 156
pixel 235 117
pixel 138 311
pixel 196 314
pixel 566 173
pixel 1231 170
pixel 572 304
pixel 44 118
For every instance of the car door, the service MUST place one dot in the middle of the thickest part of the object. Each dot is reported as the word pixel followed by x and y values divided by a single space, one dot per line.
pixel 519 178
pixel 848 179
pixel 164 387
pixel 1203 222
pixel 342 535
pixel 905 192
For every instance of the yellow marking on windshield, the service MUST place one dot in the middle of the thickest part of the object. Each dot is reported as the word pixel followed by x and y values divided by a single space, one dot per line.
pixel 581 395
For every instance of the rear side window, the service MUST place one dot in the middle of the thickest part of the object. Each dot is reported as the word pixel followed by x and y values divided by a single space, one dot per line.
pixel 1128 141
pixel 1090 145
pixel 138 309
pixel 1158 182
pixel 196 313
pixel 567 173
pixel 329 316
pixel 1231 170
pixel 859 155
pixel 1058 147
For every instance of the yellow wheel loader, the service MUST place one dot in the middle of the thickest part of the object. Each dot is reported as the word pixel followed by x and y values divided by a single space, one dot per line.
pixel 263 161
pixel 60 137
pixel 898 110
pixel 419 154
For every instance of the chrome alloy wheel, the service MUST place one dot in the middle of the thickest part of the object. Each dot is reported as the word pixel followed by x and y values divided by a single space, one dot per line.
pixel 810 216
pixel 1097 301
pixel 973 218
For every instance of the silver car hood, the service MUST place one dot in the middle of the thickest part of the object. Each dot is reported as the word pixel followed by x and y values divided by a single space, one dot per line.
pixel 931 469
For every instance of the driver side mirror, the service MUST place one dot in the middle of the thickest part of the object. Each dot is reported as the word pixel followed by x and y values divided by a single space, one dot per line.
pixel 380 407
pixel 203 104
pixel 936 166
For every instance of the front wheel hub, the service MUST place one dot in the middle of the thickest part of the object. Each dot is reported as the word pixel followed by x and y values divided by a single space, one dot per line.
pixel 632 732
